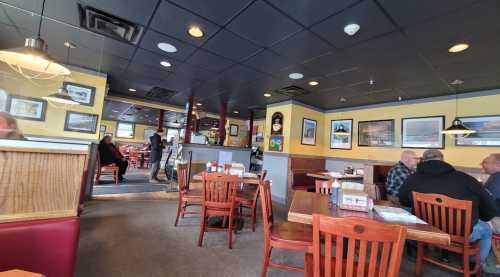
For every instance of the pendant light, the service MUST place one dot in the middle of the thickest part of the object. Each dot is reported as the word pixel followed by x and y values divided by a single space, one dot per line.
pixel 62 95
pixel 457 128
pixel 33 61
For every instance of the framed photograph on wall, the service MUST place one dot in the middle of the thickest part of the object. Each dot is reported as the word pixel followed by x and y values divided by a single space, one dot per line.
pixel 341 141
pixel 27 107
pixel 233 130
pixel 276 143
pixel 422 132
pixel 309 127
pixel 487 131
pixel 81 122
pixel 80 93
pixel 277 124
pixel 376 133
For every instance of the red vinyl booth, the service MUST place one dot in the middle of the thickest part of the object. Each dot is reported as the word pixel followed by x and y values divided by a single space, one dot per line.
pixel 43 246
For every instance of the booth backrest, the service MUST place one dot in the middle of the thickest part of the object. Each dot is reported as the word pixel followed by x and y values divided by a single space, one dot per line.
pixel 299 167
pixel 43 246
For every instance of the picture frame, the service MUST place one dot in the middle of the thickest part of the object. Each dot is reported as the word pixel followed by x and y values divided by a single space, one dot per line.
pixel 27 108
pixel 277 124
pixel 376 133
pixel 82 94
pixel 309 128
pixel 276 143
pixel 423 132
pixel 102 128
pixel 341 142
pixel 233 130
pixel 119 130
pixel 81 122
pixel 487 129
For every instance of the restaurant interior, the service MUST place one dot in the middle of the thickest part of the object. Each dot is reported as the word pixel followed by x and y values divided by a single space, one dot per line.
pixel 249 138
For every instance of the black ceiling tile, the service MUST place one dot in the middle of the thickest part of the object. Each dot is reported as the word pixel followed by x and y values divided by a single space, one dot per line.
pixel 220 12
pixel 367 14
pixel 302 46
pixel 239 74
pixel 209 61
pixel 118 48
pixel 32 5
pixel 231 46
pixel 19 18
pixel 310 12
pixel 174 21
pixel 263 24
pixel 147 72
pixel 195 73
pixel 151 39
pixel 153 60
pixel 180 82
pixel 308 73
pixel 267 61
pixel 12 37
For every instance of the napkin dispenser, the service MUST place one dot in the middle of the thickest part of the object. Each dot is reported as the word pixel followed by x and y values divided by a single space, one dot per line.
pixel 354 200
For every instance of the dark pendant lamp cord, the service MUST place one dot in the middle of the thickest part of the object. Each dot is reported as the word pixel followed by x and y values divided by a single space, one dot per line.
pixel 41 18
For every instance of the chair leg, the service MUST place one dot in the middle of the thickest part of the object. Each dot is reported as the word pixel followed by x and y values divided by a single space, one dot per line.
pixel 420 257
pixel 254 217
pixel 179 207
pixel 224 222
pixel 266 258
pixel 202 227
pixel 230 230
pixel 116 177
pixel 466 262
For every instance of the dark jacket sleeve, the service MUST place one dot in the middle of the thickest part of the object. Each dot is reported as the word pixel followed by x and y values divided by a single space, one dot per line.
pixel 404 193
pixel 105 154
pixel 487 204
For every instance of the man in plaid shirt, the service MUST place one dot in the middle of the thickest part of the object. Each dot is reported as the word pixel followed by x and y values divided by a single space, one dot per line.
pixel 400 171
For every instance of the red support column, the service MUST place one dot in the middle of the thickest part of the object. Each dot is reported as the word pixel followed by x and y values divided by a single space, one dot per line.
pixel 189 121
pixel 250 128
pixel 222 123
pixel 160 119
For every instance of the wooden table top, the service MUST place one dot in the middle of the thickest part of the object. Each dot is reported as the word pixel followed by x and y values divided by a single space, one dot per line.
pixel 19 273
pixel 326 176
pixel 245 179
pixel 304 204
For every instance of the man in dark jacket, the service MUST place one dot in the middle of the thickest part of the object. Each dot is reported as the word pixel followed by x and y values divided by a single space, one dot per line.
pixel 156 153
pixel 109 154
pixel 434 175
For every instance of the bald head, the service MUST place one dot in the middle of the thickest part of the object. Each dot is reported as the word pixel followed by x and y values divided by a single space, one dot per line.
pixel 409 158
pixel 491 164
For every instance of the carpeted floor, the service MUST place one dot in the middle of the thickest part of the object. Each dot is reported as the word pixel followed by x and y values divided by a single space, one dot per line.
pixel 138 239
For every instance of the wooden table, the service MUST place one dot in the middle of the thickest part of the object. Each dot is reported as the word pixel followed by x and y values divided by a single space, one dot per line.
pixel 255 180
pixel 326 176
pixel 19 273
pixel 304 204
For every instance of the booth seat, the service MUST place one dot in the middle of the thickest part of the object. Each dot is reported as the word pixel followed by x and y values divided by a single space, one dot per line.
pixel 44 246
pixel 300 180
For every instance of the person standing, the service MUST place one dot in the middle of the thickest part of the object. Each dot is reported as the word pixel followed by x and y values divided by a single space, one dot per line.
pixel 156 153
pixel 399 172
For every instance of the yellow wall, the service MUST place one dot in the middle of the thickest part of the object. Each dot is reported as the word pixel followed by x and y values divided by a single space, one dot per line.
pixel 53 126
pixel 138 132
pixel 298 114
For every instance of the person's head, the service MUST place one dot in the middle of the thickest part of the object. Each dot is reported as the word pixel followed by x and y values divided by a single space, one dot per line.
pixel 409 158
pixel 432 155
pixel 8 126
pixel 491 164
pixel 159 131
pixel 107 139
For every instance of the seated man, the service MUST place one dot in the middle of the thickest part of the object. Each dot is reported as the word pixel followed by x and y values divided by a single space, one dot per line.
pixel 110 154
pixel 9 128
pixel 434 175
pixel 399 172
pixel 491 166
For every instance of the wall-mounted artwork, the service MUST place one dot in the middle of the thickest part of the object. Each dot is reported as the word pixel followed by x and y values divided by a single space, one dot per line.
pixel 3 100
pixel 276 143
pixel 80 122
pixel 487 131
pixel 80 93
pixel 422 132
pixel 309 127
pixel 277 124
pixel 341 141
pixel 27 107
pixel 233 130
pixel 376 133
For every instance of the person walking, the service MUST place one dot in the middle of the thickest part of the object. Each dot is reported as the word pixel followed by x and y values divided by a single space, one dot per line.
pixel 156 153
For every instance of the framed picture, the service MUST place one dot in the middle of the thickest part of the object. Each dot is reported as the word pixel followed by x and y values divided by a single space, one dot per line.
pixel 308 131
pixel 102 128
pixel 80 122
pixel 376 133
pixel 276 143
pixel 277 124
pixel 422 132
pixel 27 107
pixel 487 131
pixel 341 142
pixel 80 93
pixel 233 130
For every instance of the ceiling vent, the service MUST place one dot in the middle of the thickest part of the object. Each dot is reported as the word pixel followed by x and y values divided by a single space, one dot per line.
pixel 103 23
pixel 160 94
pixel 292 91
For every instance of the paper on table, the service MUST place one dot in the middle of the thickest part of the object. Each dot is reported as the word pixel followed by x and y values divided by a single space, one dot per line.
pixel 335 174
pixel 397 214
pixel 249 175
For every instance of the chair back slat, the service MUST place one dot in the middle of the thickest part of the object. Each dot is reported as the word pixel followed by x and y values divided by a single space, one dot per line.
pixel 219 190
pixel 182 176
pixel 267 207
pixel 450 215
pixel 263 175
pixel 384 242
pixel 323 186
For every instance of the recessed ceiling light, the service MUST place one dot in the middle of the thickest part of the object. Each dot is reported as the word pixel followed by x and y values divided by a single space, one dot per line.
pixel 459 47
pixel 195 31
pixel 236 112
pixel 267 95
pixel 165 64
pixel 132 89
pixel 198 104
pixel 342 99
pixel 313 83
pixel 457 82
pixel 115 111
pixel 296 76
pixel 371 82
pixel 167 47
pixel 351 29
pixel 400 98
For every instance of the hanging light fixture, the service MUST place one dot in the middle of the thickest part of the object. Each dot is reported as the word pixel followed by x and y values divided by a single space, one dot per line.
pixel 33 61
pixel 62 95
pixel 457 128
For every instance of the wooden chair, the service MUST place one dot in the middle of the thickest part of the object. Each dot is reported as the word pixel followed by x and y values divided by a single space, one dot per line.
pixel 247 198
pixel 109 170
pixel 454 217
pixel 186 197
pixel 287 235
pixel 377 246
pixel 219 199
pixel 323 186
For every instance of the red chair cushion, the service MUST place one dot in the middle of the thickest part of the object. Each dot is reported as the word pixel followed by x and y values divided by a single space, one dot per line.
pixel 43 246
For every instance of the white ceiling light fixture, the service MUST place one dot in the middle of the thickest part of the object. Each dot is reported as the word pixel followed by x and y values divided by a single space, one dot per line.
pixel 32 60
pixel 165 64
pixel 351 29
pixel 296 76
pixel 199 104
pixel 342 100
pixel 132 90
pixel 313 83
pixel 195 31
pixel 267 95
pixel 236 112
pixel 371 82
pixel 167 47
pixel 459 47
